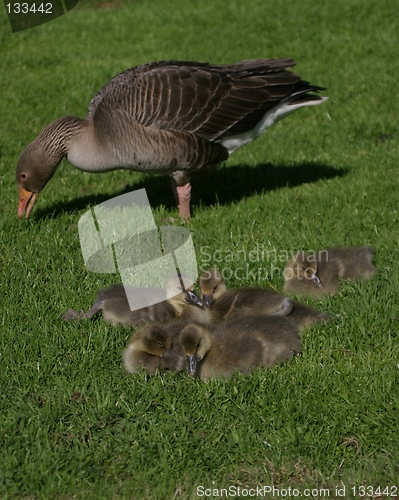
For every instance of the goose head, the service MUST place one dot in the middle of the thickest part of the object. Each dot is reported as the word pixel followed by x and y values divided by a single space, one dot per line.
pixel 39 161
pixel 35 168
pixel 212 286
pixel 196 341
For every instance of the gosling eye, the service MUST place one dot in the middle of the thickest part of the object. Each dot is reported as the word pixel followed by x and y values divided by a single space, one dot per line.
pixel 160 344
pixel 215 288
pixel 23 176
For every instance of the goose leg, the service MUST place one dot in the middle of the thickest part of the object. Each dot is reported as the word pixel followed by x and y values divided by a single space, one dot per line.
pixel 182 195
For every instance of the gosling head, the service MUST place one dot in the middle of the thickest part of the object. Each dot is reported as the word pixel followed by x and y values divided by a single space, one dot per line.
pixel 304 266
pixel 212 286
pixel 195 341
pixel 179 295
pixel 154 340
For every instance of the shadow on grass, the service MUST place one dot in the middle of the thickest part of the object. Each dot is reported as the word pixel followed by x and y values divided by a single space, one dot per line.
pixel 227 184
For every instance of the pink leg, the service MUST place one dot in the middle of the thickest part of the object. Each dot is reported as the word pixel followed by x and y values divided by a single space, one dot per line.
pixel 183 196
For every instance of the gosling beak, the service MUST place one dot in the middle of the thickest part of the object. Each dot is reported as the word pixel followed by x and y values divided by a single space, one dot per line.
pixel 27 200
pixel 192 298
pixel 316 279
pixel 207 299
pixel 192 364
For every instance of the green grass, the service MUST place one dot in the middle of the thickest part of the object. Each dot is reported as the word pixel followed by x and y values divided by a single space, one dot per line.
pixel 73 424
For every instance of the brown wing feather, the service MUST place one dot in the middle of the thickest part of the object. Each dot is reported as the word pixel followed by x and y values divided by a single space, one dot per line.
pixel 209 100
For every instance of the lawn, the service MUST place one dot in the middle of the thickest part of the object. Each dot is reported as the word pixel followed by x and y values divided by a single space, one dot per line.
pixel 73 423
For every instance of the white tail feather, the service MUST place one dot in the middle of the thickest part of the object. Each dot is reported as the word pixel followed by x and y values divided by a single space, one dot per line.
pixel 283 109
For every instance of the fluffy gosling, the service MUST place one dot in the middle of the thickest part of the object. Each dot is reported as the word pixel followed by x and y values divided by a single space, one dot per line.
pixel 114 304
pixel 152 348
pixel 242 344
pixel 243 301
pixel 320 273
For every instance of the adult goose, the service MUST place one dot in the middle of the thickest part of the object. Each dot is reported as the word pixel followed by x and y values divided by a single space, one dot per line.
pixel 178 118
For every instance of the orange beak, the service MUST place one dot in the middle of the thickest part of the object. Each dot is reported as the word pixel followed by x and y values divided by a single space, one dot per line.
pixel 27 201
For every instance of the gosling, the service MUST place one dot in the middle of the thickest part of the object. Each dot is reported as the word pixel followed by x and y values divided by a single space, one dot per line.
pixel 240 301
pixel 242 344
pixel 152 348
pixel 114 304
pixel 143 349
pixel 320 273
